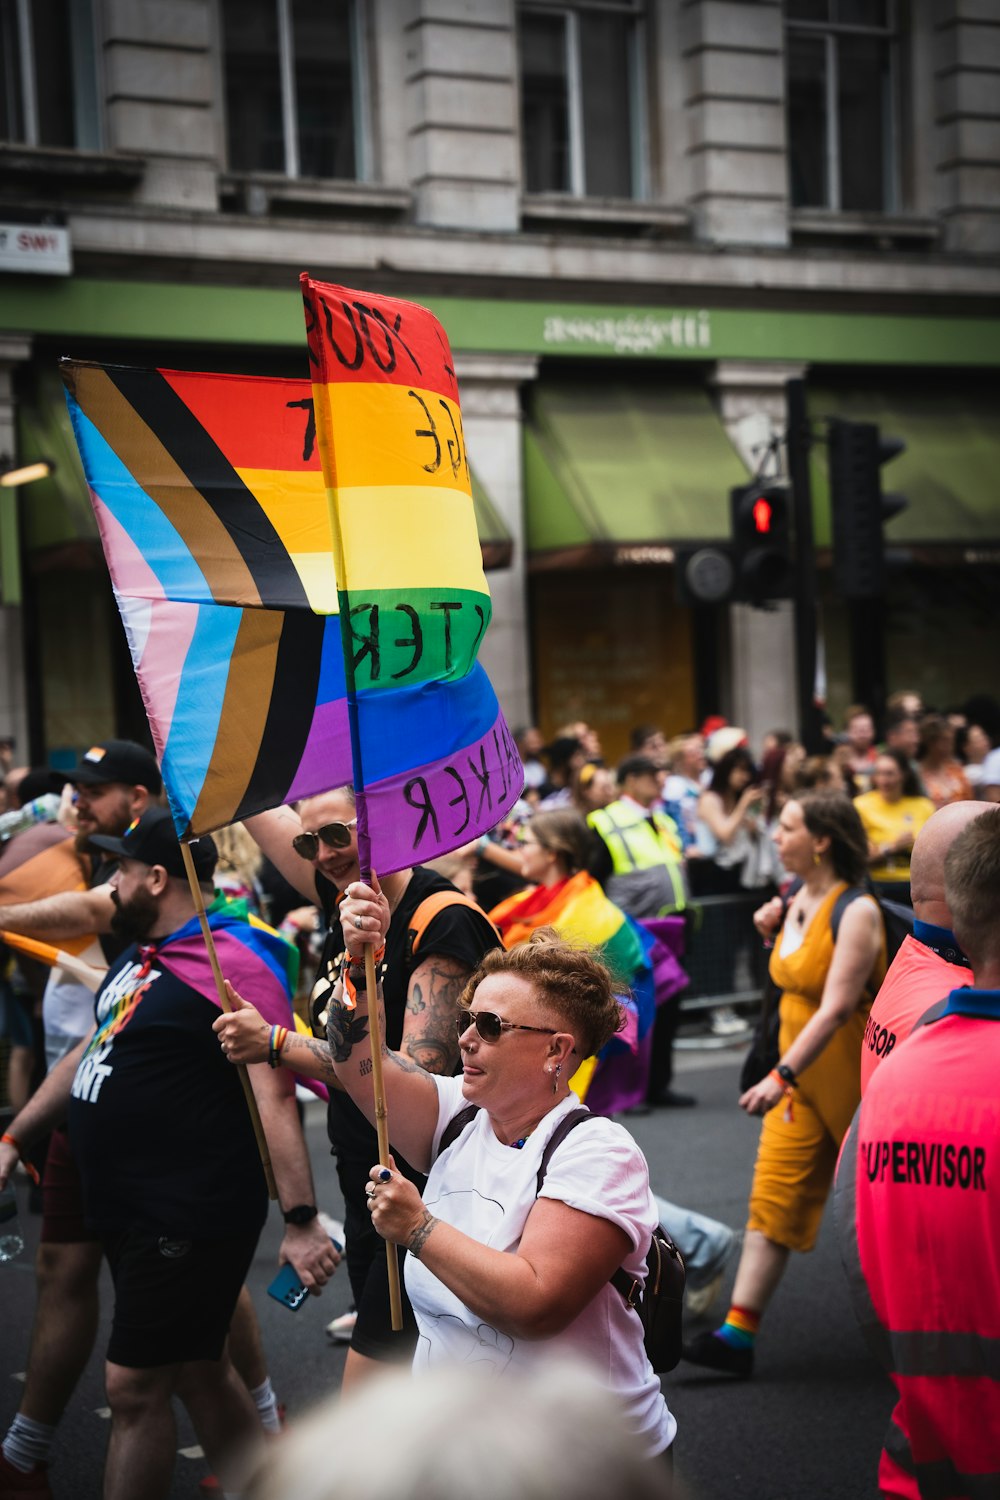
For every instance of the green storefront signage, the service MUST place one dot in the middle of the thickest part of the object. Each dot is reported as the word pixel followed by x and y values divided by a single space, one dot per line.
pixel 160 312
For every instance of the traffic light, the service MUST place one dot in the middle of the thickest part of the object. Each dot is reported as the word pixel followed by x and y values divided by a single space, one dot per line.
pixel 761 524
pixel 704 573
pixel 859 507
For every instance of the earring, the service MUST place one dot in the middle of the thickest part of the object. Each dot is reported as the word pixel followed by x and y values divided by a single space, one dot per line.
pixel 816 857
pixel 555 1081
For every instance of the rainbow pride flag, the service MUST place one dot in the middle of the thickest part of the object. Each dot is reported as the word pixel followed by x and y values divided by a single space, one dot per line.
pixel 430 748
pixel 214 518
pixel 582 915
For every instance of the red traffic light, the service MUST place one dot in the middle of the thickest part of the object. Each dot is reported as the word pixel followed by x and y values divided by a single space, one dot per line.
pixel 761 515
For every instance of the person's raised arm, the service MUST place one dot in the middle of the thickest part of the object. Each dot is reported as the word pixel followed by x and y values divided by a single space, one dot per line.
pixel 65 915
pixel 273 832
pixel 430 1036
pixel 723 825
pixel 344 1059
pixel 410 1095
pixel 246 1038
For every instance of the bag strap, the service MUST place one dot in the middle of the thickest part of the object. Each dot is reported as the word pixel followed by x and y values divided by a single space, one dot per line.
pixel 569 1122
pixel 566 1124
pixel 456 1125
pixel 430 907
pixel 841 904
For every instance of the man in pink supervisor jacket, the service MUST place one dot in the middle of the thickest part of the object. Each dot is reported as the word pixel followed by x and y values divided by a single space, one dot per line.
pixel 918 1210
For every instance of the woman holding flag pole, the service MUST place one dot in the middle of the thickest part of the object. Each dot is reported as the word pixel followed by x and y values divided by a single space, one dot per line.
pixel 500 1271
pixel 316 849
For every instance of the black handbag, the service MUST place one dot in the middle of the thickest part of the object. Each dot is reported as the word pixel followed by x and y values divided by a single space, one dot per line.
pixel 763 1054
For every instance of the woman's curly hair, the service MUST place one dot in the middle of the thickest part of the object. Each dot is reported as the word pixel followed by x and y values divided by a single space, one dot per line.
pixel 571 981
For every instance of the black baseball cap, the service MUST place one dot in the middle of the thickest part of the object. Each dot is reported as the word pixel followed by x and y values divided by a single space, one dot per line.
pixel 637 765
pixel 118 760
pixel 152 839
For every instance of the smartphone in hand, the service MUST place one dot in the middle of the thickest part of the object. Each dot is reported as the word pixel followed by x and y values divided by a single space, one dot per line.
pixel 287 1289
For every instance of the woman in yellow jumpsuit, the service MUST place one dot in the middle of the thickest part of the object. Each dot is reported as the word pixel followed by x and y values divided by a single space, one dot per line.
pixel 809 1099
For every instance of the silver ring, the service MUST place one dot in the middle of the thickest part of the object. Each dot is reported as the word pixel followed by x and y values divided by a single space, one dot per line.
pixel 359 923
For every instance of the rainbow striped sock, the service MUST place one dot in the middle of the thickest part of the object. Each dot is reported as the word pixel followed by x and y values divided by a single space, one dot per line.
pixel 740 1329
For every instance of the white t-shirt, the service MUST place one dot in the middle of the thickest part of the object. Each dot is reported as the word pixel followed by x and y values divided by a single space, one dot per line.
pixel 990 773
pixel 487 1189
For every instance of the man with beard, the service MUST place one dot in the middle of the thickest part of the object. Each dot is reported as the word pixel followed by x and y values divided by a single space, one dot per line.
pixel 148 1094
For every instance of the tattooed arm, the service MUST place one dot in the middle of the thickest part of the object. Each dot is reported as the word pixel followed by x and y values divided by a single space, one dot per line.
pixel 429 1033
pixel 410 1093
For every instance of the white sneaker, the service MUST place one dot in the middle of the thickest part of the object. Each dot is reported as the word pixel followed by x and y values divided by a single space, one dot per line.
pixel 340 1330
pixel 725 1022
pixel 698 1300
pixel 334 1229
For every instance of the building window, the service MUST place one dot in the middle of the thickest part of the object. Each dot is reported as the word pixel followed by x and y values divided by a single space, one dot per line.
pixel 842 136
pixel 294 86
pixel 582 98
pixel 48 93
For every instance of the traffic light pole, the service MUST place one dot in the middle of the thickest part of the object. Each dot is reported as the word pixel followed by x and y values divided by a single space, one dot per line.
pixel 797 441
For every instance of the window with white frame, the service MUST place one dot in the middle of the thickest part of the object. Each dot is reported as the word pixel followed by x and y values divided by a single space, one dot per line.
pixel 842 128
pixel 294 76
pixel 582 97
pixel 48 80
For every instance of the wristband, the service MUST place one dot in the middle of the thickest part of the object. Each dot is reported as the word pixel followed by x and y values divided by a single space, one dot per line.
pixel 302 1213
pixel 277 1040
pixel 786 1074
pixel 354 977
pixel 32 1171
pixel 788 1089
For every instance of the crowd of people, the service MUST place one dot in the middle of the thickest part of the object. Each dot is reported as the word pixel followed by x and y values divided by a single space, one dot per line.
pixel 541 966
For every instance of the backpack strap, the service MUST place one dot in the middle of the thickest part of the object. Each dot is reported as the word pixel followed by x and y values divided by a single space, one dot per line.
pixel 429 908
pixel 841 904
pixel 566 1124
pixel 456 1125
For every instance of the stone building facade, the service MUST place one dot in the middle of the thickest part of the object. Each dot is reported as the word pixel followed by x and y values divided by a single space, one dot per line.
pixel 636 218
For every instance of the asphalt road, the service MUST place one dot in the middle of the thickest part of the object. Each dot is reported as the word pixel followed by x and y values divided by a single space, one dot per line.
pixel 807 1427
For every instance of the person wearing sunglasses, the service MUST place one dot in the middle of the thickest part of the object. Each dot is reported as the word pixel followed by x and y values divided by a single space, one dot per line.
pixel 315 849
pixel 498 1272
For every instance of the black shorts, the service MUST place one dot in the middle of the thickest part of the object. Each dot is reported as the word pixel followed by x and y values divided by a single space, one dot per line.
pixel 367 1270
pixel 174 1297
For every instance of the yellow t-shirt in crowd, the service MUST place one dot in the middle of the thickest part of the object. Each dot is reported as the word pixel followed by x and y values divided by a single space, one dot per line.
pixel 885 822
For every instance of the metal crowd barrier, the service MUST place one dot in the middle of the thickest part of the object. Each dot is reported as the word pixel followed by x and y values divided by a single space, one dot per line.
pixel 724 957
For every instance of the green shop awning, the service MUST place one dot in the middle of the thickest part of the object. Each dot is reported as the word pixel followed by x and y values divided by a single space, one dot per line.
pixel 609 468
pixel 949 473
pixel 495 540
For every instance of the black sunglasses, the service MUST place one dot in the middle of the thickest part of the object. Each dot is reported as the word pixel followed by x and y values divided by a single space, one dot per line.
pixel 490 1027
pixel 336 835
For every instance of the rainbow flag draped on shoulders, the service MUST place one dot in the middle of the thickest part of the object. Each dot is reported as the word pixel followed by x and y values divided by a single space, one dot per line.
pixel 581 913
pixel 297 622
pixel 258 962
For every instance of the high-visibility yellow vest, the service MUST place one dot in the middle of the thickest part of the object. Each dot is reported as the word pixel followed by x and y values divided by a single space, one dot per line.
pixel 647 876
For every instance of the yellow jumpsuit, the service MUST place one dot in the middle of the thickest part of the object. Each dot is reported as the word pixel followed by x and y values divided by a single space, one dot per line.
pixel 800 1140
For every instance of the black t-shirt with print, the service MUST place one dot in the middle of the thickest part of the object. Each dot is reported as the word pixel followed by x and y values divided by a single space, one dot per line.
pixel 158 1122
pixel 457 932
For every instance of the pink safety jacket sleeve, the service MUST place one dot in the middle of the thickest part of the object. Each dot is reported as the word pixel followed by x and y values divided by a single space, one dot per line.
pixel 918 1216
pixel 916 979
